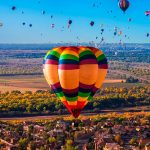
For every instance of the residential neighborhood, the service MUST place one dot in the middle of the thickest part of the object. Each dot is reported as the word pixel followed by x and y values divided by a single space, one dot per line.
pixel 123 132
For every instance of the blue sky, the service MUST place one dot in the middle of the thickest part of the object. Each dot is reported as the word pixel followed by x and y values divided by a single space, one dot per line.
pixel 81 12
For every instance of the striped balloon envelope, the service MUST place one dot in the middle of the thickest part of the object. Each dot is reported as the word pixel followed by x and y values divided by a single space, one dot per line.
pixel 75 74
pixel 124 4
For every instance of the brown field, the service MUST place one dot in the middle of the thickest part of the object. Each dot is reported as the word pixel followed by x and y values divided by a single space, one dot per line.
pixel 34 83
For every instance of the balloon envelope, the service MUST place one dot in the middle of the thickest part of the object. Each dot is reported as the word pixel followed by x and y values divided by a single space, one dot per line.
pixel 147 13
pixel 124 4
pixel 75 74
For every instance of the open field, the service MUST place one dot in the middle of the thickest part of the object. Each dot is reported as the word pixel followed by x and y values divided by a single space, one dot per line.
pixel 33 83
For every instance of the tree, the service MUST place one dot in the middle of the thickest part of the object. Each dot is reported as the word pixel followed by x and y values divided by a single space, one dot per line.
pixel 68 145
pixel 19 129
pixel 32 146
pixel 133 141
pixel 23 142
pixel 52 140
pixel 31 129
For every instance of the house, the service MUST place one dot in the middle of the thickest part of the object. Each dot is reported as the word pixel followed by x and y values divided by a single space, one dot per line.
pixel 147 146
pixel 112 146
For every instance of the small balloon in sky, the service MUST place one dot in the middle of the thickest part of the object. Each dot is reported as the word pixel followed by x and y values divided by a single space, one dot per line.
pixel 102 39
pixel 23 23
pixel 13 8
pixel 69 23
pixel 92 23
pixel 124 5
pixel 43 12
pixel 147 34
pixel 30 25
pixel 52 25
pixel 129 19
pixel 120 33
pixel 115 33
pixel 1 24
pixel 115 28
pixel 147 13
pixel 102 30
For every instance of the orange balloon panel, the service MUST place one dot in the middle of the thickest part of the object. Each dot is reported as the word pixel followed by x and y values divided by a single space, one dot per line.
pixel 75 74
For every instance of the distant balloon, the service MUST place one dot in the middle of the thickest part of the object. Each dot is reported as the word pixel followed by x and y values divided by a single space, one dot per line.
pixel 129 19
pixel 69 23
pixel 115 33
pixel 147 34
pixel 52 25
pixel 147 13
pixel 120 33
pixel 102 30
pixel 30 25
pixel 43 12
pixel 13 8
pixel 1 24
pixel 115 28
pixel 92 23
pixel 51 16
pixel 23 23
pixel 102 39
pixel 124 4
pixel 65 70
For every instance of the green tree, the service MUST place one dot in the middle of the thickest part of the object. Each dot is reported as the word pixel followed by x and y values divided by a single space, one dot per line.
pixel 23 142
pixel 32 146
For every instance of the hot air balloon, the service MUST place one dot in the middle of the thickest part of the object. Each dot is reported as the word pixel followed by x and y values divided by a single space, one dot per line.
pixel 115 33
pixel 69 23
pixel 75 74
pixel 1 24
pixel 147 34
pixel 124 4
pixel 52 25
pixel 43 12
pixel 30 25
pixel 147 13
pixel 13 8
pixel 23 23
pixel 92 23
pixel 120 33
pixel 129 19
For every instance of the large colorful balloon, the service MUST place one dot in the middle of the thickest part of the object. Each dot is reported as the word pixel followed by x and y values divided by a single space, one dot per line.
pixel 124 4
pixel 75 74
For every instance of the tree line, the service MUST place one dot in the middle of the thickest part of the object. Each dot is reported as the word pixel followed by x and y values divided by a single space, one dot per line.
pixel 47 102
